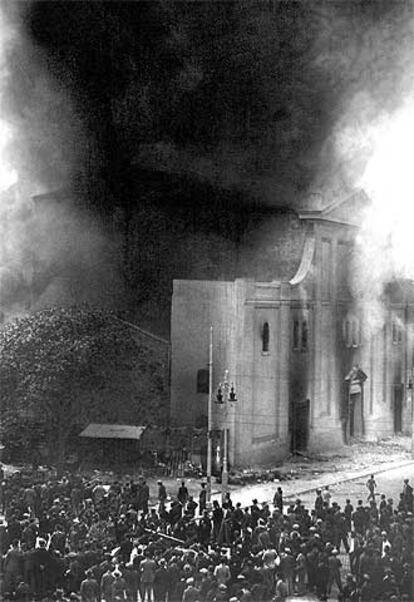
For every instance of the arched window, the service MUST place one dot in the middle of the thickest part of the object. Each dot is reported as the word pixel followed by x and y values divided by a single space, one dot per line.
pixel 265 338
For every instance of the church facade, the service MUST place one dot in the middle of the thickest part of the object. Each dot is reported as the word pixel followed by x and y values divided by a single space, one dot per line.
pixel 308 373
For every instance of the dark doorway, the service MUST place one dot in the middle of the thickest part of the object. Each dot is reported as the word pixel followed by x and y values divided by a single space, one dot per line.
pixel 355 413
pixel 299 425
pixel 398 402
pixel 352 415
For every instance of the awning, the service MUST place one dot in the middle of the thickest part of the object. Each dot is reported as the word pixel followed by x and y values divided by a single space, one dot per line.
pixel 113 431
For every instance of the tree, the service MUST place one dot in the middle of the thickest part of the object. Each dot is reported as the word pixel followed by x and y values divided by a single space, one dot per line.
pixel 56 364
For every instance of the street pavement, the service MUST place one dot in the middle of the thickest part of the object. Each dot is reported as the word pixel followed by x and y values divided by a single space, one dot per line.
pixel 342 484
pixel 389 482
pixel 304 475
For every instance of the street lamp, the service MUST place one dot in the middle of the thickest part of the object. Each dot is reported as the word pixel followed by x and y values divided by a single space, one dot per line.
pixel 209 418
pixel 226 394
pixel 410 388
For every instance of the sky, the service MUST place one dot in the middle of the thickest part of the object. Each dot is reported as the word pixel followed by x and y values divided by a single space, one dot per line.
pixel 179 124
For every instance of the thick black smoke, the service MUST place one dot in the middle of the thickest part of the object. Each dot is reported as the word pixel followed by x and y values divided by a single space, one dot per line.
pixel 242 94
pixel 183 122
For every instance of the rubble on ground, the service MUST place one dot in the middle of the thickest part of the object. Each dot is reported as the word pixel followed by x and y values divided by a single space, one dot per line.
pixel 359 454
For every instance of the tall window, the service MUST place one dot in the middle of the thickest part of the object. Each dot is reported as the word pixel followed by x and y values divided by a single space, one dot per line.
pixel 265 338
pixel 352 332
pixel 202 380
pixel 300 335
pixel 295 334
pixel 355 333
pixel 347 333
pixel 396 332
pixel 305 335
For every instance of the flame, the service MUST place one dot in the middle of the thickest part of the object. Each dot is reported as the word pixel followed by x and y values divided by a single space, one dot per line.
pixel 389 182
pixel 8 175
pixel 8 35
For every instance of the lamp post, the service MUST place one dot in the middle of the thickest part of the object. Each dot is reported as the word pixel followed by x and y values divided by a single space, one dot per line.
pixel 209 418
pixel 410 387
pixel 225 395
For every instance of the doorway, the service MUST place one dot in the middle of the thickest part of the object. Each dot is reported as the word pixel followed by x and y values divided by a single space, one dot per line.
pixel 398 403
pixel 355 412
pixel 300 425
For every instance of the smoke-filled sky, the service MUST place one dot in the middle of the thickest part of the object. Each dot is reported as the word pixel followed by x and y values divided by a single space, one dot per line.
pixel 244 94
pixel 193 118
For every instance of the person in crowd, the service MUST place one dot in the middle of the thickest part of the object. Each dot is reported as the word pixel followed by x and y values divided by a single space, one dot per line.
pixel 278 499
pixel 182 495
pixel 326 496
pixel 319 504
pixel 371 486
pixel 202 499
pixel 191 593
pixel 162 493
pixel 119 587
pixel 12 568
pixel 334 565
pixel 89 589
pixel 148 567
pixel 407 494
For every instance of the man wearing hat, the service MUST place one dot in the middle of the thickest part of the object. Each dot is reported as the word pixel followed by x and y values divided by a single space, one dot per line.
pixel 278 499
pixel 89 589
pixel 206 583
pixel 182 495
pixel 161 581
pixel 162 492
pixel 334 576
pixel 221 594
pixel 119 587
pixel 281 589
pixel 408 497
pixel 255 513
pixel 191 593
pixel 202 499
pixel 222 572
pixel 12 567
pixel 147 569
pixel 42 567
pixel 288 566
pixel 107 580
pixel 349 590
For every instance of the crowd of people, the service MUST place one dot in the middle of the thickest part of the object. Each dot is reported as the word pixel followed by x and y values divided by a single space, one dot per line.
pixel 72 539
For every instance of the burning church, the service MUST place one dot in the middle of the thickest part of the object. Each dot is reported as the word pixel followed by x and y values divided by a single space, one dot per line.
pixel 311 366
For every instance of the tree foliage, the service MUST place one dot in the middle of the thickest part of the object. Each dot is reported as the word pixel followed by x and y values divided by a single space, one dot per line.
pixel 57 364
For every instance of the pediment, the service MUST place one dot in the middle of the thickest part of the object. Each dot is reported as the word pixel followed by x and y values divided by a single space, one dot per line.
pixel 348 210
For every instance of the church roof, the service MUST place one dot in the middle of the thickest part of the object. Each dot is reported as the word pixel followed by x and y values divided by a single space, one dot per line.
pixel 347 210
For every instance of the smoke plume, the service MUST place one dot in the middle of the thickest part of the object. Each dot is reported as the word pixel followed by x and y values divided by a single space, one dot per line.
pixel 373 145
pixel 52 250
